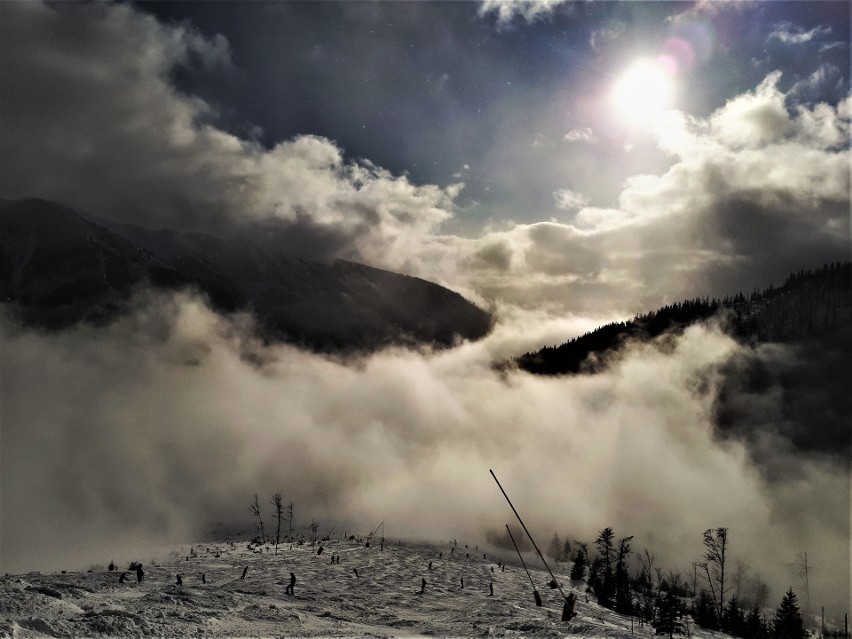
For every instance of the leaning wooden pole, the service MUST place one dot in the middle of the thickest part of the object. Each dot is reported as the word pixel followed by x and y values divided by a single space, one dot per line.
pixel 535 545
pixel 535 592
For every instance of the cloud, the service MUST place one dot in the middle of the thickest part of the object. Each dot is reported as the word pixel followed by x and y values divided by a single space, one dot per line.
pixel 173 416
pixel 824 81
pixel 91 118
pixel 755 118
pixel 711 9
pixel 583 134
pixel 613 30
pixel 755 190
pixel 568 199
pixel 789 33
pixel 528 10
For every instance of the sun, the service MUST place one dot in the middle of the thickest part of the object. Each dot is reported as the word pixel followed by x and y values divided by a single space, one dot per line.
pixel 643 91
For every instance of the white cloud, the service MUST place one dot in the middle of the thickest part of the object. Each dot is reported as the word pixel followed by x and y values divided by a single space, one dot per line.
pixel 753 119
pixel 581 134
pixel 789 33
pixel 568 199
pixel 122 142
pixel 825 79
pixel 528 10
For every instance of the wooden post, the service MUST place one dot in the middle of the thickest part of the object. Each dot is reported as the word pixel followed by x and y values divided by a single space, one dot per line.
pixel 523 525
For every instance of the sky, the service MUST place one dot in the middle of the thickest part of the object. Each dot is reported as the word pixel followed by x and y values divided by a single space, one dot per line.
pixel 562 164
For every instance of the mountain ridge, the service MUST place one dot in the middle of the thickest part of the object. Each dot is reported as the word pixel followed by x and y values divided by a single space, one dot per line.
pixel 808 304
pixel 61 266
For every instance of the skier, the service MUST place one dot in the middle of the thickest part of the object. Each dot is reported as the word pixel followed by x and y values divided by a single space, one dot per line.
pixel 140 574
pixel 179 580
pixel 245 570
pixel 289 589
pixel 422 586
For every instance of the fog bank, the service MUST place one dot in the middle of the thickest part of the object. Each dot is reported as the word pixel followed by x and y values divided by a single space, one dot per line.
pixel 164 421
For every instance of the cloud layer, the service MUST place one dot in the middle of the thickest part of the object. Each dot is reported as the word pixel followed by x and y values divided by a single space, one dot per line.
pixel 755 190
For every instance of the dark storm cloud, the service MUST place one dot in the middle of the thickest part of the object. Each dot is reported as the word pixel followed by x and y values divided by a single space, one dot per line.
pixel 92 118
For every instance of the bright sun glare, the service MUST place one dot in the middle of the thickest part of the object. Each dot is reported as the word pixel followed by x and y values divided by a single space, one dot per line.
pixel 643 91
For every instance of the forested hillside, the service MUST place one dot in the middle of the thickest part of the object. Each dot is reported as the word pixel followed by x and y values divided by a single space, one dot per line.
pixel 807 304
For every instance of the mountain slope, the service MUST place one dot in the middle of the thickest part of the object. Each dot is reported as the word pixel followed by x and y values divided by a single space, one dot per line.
pixel 808 305
pixel 60 267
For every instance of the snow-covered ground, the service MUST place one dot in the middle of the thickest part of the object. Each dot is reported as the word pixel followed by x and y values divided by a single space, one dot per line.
pixel 384 600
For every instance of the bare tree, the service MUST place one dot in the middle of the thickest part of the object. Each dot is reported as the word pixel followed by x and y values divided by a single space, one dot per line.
pixel 314 529
pixel 675 580
pixel 647 561
pixel 255 510
pixel 290 519
pixel 800 570
pixel 739 579
pixel 716 544
pixel 759 591
pixel 278 503
pixel 756 591
pixel 659 573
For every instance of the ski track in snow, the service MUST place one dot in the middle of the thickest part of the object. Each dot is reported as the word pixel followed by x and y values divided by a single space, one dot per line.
pixel 329 601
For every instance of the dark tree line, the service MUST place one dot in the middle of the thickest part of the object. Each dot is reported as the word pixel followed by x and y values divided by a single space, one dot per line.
pixel 807 304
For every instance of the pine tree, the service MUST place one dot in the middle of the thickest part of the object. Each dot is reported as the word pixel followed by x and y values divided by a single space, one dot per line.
pixel 554 550
pixel 623 595
pixel 704 611
pixel 755 627
pixel 733 620
pixel 596 569
pixel 607 590
pixel 578 570
pixel 788 623
pixel 668 622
